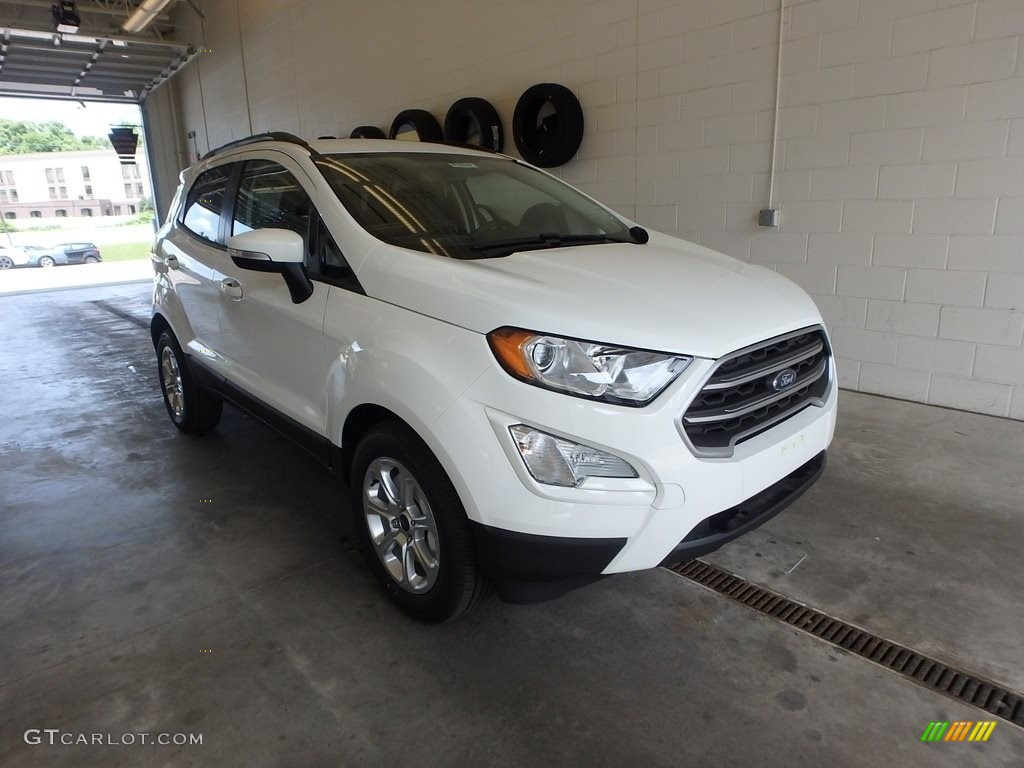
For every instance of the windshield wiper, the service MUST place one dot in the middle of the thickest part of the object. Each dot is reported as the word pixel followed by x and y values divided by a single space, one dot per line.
pixel 545 240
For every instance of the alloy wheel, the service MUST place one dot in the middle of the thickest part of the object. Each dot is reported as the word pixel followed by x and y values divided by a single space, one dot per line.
pixel 401 525
pixel 170 375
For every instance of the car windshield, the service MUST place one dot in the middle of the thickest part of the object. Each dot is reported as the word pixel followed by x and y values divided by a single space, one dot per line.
pixel 465 206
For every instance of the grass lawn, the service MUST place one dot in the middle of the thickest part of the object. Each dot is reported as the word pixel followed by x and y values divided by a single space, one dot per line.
pixel 125 251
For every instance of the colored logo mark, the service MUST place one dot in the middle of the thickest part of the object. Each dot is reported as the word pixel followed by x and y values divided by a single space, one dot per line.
pixel 958 730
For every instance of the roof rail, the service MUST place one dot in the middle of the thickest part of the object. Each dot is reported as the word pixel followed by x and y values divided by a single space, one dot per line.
pixel 258 137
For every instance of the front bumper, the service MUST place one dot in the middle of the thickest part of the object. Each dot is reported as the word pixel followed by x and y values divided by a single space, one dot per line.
pixel 712 532
pixel 654 512
pixel 528 568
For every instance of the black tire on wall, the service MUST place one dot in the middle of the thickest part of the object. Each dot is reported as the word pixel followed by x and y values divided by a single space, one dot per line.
pixel 475 122
pixel 416 125
pixel 367 132
pixel 548 125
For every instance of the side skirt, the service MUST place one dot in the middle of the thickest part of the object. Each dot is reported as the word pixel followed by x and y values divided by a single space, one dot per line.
pixel 319 446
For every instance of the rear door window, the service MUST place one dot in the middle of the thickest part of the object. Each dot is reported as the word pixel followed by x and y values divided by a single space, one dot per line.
pixel 201 215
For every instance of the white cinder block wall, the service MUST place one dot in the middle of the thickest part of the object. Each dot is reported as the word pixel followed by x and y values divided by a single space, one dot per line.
pixel 900 140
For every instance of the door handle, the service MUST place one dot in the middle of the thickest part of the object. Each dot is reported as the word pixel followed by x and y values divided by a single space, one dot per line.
pixel 231 288
pixel 171 262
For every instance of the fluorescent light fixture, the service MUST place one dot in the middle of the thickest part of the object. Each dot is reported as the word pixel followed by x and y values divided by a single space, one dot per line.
pixel 65 17
pixel 144 15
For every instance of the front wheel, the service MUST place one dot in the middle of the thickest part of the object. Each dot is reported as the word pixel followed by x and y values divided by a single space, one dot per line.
pixel 192 409
pixel 91 260
pixel 6 262
pixel 413 527
pixel 46 261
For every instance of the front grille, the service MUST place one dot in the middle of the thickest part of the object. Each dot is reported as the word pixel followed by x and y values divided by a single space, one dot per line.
pixel 741 400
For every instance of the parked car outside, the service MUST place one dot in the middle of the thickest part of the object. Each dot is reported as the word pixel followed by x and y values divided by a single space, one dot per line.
pixel 66 253
pixel 13 256
pixel 519 386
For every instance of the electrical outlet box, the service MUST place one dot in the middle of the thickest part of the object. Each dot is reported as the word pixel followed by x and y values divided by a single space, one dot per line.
pixel 769 217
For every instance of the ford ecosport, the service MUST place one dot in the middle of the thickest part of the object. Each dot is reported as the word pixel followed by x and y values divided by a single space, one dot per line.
pixel 519 386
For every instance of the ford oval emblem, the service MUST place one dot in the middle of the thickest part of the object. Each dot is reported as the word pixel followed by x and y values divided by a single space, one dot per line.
pixel 784 379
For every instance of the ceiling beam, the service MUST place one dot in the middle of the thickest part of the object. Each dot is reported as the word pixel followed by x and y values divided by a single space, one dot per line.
pixel 54 96
pixel 16 66
pixel 104 86
pixel 114 65
pixel 112 35
pixel 46 51
pixel 14 56
pixel 83 7
pixel 169 72
pixel 77 70
pixel 12 74
pixel 5 43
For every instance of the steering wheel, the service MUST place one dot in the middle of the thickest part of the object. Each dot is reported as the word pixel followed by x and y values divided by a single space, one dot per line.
pixel 486 210
pixel 494 226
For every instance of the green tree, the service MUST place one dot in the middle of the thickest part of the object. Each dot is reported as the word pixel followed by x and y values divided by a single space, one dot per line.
pixel 20 137
pixel 146 212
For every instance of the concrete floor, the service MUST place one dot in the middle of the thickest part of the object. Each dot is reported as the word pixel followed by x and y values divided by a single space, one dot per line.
pixel 34 279
pixel 150 582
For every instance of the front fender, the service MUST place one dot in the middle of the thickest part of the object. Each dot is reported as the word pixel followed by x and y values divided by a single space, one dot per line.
pixel 412 365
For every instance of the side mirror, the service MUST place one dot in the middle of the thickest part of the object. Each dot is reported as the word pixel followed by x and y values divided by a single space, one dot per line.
pixel 274 250
pixel 266 250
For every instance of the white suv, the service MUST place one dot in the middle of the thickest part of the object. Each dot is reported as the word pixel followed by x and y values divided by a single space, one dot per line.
pixel 519 387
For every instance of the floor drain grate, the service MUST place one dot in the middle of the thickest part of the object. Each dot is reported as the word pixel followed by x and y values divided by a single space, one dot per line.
pixel 922 669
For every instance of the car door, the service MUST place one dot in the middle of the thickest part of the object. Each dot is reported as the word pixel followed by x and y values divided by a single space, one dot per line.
pixel 190 252
pixel 273 347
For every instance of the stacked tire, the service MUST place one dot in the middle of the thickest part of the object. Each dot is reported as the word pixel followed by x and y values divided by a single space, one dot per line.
pixel 547 125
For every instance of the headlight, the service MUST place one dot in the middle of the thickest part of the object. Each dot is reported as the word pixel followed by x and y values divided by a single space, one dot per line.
pixel 584 368
pixel 556 461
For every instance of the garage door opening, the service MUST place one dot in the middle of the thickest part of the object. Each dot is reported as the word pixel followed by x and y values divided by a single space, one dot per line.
pixel 72 212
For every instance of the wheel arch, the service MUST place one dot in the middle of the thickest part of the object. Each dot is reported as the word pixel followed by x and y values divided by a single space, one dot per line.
pixel 157 325
pixel 361 420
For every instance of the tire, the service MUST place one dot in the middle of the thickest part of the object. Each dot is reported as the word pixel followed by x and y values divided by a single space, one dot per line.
pixel 367 132
pixel 474 122
pixel 438 525
pixel 91 260
pixel 192 409
pixel 416 125
pixel 548 125
pixel 6 262
pixel 46 261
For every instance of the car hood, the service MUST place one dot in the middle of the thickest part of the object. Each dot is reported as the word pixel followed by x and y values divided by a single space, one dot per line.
pixel 668 295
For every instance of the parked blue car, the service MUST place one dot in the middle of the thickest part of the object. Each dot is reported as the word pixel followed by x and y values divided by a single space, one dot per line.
pixel 64 253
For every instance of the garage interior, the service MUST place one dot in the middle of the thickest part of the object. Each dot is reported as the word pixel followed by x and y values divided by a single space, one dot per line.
pixel 153 582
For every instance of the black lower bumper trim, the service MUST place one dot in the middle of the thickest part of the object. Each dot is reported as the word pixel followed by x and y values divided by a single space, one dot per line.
pixel 527 568
pixel 712 532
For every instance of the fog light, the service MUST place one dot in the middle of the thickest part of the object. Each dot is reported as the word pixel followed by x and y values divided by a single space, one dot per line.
pixel 554 461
